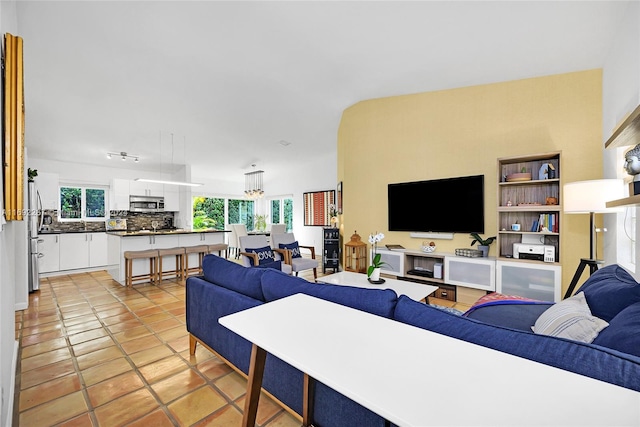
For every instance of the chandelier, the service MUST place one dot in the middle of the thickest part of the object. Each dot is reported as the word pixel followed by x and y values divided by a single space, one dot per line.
pixel 253 188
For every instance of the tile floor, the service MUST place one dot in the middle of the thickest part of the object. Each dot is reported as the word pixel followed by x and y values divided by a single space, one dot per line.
pixel 93 353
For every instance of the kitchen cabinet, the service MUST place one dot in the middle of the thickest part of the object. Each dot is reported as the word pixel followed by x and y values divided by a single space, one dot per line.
pixel 171 198
pixel 119 195
pixel 139 188
pixel 48 185
pixel 82 250
pixel 49 247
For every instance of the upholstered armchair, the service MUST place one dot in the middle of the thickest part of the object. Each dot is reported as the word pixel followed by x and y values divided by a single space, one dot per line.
pixel 293 256
pixel 256 252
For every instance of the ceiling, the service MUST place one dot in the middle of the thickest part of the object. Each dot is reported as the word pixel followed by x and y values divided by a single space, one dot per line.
pixel 232 83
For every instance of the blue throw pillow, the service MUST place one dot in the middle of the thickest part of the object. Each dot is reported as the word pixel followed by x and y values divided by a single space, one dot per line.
pixel 265 255
pixel 609 291
pixel 623 332
pixel 293 247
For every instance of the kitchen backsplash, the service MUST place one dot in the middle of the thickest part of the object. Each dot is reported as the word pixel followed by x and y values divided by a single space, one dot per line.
pixel 135 221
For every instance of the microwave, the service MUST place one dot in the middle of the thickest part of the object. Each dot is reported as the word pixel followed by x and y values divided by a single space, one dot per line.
pixel 146 204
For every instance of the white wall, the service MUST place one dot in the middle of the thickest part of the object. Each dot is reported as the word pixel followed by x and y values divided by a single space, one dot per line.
pixel 8 238
pixel 620 96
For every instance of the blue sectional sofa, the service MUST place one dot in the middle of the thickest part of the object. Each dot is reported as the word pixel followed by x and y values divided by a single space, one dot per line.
pixel 226 287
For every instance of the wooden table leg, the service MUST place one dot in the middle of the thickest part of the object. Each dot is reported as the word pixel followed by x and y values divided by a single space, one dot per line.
pixel 307 401
pixel 254 384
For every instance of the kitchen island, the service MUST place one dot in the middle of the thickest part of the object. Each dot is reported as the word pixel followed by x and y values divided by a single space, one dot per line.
pixel 118 242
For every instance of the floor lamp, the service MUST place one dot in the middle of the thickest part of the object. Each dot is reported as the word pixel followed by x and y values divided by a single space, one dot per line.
pixel 590 197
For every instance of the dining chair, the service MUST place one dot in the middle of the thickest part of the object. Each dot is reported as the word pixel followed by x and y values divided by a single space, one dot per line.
pixel 240 230
pixel 278 228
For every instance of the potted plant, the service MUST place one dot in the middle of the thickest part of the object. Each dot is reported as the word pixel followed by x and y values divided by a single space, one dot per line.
pixel 483 244
pixel 260 222
pixel 373 272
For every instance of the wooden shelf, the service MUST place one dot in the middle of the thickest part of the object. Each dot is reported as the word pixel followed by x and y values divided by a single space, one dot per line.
pixel 537 233
pixel 530 208
pixel 628 133
pixel 627 201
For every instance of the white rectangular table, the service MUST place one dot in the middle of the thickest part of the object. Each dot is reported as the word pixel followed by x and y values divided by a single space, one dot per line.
pixel 392 369
pixel 415 291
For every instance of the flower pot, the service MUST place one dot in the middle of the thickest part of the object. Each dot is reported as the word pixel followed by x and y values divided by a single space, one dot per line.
pixel 375 275
pixel 484 249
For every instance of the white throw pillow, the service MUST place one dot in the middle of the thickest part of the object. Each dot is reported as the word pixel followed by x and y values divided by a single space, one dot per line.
pixel 570 318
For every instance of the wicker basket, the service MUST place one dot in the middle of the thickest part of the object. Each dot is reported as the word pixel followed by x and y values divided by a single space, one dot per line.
pixel 471 253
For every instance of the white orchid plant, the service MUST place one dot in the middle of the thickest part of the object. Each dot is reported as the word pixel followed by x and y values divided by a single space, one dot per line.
pixel 374 239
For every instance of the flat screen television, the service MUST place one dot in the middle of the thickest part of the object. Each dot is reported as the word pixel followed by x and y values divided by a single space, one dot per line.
pixel 449 205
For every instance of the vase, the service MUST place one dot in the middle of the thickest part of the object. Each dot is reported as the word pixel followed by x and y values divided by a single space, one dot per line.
pixel 375 275
pixel 484 249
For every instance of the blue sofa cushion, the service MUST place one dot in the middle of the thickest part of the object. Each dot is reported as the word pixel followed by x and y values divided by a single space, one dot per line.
pixel 590 360
pixel 609 291
pixel 265 255
pixel 623 332
pixel 233 276
pixel 293 247
pixel 276 285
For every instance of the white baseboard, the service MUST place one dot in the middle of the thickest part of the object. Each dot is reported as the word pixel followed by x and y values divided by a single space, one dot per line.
pixel 21 306
pixel 12 387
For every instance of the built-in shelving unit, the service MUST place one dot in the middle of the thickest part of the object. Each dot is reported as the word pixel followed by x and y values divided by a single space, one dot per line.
pixel 628 133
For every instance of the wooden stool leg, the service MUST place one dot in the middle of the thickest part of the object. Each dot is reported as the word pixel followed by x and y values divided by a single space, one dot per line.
pixel 127 273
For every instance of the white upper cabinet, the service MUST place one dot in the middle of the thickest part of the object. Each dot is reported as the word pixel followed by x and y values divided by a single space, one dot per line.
pixel 48 185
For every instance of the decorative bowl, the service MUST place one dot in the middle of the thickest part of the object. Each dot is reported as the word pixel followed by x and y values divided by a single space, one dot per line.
pixel 428 249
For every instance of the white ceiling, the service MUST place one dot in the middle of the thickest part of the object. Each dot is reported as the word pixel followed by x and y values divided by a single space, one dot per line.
pixel 228 81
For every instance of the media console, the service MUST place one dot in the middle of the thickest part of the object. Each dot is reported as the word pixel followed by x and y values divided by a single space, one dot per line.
pixel 465 279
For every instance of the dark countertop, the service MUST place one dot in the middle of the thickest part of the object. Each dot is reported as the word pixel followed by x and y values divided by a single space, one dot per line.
pixel 163 232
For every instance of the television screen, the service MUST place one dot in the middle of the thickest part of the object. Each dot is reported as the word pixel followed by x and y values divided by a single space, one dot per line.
pixel 449 205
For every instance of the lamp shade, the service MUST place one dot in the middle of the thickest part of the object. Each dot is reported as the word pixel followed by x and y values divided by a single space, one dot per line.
pixel 591 196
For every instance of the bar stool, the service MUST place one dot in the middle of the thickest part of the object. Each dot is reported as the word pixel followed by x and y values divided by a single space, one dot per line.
pixel 219 247
pixel 178 272
pixel 151 276
pixel 201 250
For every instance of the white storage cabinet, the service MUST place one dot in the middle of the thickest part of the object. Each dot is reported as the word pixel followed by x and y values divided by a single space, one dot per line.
pixel 530 280
pixel 477 273
pixel 49 247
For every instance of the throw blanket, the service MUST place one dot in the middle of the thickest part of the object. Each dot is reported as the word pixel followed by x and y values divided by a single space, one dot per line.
pixel 496 298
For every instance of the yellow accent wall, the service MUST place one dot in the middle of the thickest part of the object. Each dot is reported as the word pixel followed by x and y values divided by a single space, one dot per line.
pixel 464 131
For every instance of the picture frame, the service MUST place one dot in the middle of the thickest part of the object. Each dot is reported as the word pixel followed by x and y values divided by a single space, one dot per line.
pixel 339 199
pixel 316 207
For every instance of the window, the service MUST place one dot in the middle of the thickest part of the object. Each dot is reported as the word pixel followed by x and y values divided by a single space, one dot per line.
pixel 211 212
pixel 282 212
pixel 82 203
pixel 208 212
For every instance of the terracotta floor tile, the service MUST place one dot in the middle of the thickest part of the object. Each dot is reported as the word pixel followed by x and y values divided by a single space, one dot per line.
pixel 113 312
pixel 267 408
pixel 149 355
pixel 232 385
pixel 83 420
pixel 284 419
pixel 130 334
pixel 126 408
pixel 48 391
pixel 172 305
pixel 153 318
pixel 87 336
pixel 164 368
pixel 214 368
pixel 140 344
pixel 43 347
pixel 124 326
pixel 41 320
pixel 45 336
pixel 157 418
pixel 146 311
pixel 229 416
pixel 83 327
pixel 93 345
pixel 39 329
pixel 196 405
pixel 45 359
pixel 106 370
pixel 163 325
pixel 55 411
pixel 118 319
pixel 173 333
pixel 85 318
pixel 113 388
pixel 177 385
pixel 46 373
pixel 178 311
pixel 179 344
pixel 99 356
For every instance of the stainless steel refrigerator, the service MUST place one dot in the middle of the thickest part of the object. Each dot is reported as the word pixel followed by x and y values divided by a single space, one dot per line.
pixel 34 214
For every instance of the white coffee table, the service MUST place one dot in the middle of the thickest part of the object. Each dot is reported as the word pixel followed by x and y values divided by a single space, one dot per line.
pixel 416 378
pixel 415 291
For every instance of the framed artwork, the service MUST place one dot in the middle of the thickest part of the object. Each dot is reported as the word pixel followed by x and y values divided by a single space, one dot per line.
pixel 339 201
pixel 316 207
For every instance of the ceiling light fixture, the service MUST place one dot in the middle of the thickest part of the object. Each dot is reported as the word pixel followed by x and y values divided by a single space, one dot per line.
pixel 253 184
pixel 123 155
